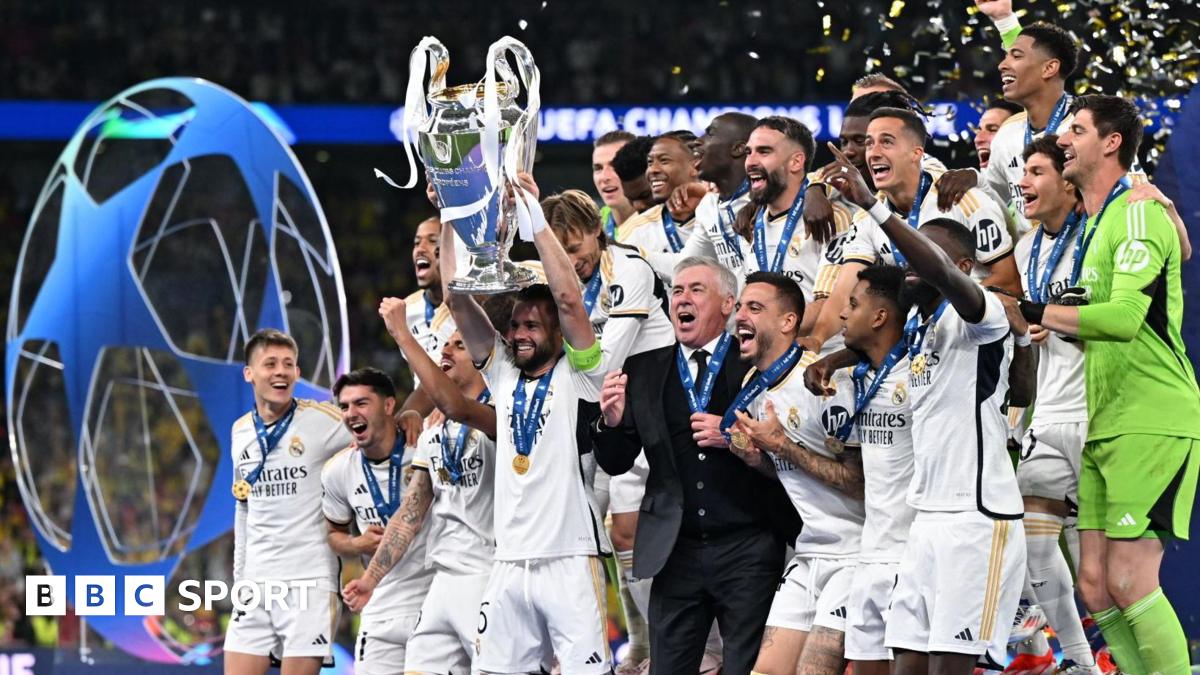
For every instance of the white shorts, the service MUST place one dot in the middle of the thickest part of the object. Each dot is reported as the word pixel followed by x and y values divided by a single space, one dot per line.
pixel 535 610
pixel 625 491
pixel 1050 459
pixel 867 611
pixel 282 633
pixel 444 639
pixel 381 645
pixel 813 591
pixel 600 490
pixel 959 583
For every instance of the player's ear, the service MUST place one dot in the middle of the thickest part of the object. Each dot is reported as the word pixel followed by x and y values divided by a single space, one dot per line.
pixel 1051 68
pixel 1112 143
pixel 246 373
pixel 966 265
pixel 389 406
pixel 739 150
pixel 798 161
pixel 880 318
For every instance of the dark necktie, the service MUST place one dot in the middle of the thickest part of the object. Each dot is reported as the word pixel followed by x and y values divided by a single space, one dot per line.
pixel 701 358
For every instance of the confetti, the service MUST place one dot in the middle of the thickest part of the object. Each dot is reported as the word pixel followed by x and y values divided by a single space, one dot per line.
pixel 753 55
pixel 522 24
pixel 675 70
pixel 826 23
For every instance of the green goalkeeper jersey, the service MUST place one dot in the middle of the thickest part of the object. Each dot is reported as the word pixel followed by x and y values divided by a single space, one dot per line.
pixel 1138 377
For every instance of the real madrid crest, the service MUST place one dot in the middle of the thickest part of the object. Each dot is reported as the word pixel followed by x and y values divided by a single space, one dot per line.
pixel 793 419
pixel 794 250
pixel 900 395
pixel 605 301
pixel 296 447
pixel 408 473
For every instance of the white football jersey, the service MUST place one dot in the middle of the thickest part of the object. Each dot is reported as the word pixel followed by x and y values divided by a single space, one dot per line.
pixel 884 429
pixel 548 511
pixel 629 313
pixel 977 211
pixel 431 326
pixel 811 264
pixel 285 531
pixel 461 537
pixel 347 498
pixel 1061 395
pixel 645 231
pixel 712 237
pixel 956 386
pixel 832 520
pixel 1006 166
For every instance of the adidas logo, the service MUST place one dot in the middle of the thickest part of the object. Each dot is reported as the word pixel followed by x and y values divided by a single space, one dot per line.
pixel 1127 520
pixel 965 634
pixel 320 640
pixel 361 489
pixel 1013 164
pixel 245 455
pixel 593 659
pixel 840 612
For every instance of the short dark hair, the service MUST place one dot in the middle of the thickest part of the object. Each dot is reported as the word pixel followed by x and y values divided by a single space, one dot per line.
pixel 961 237
pixel 878 80
pixel 539 293
pixel 1046 145
pixel 1004 104
pixel 795 132
pixel 499 310
pixel 1058 42
pixel 887 283
pixel 684 136
pixel 866 104
pixel 913 123
pixel 614 136
pixel 785 287
pixel 269 337
pixel 376 379
pixel 1114 115
pixel 630 160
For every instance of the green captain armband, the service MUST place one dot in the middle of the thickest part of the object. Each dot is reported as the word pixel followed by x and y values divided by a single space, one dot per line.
pixel 583 360
pixel 1009 29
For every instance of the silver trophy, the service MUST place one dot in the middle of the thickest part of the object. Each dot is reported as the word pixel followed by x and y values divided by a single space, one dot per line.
pixel 473 139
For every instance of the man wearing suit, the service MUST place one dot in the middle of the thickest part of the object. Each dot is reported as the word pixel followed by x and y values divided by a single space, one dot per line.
pixel 712 529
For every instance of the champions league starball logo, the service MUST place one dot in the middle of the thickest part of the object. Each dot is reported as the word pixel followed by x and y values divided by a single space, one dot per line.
pixel 174 224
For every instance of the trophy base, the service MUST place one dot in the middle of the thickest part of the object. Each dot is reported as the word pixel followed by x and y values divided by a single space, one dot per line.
pixel 493 280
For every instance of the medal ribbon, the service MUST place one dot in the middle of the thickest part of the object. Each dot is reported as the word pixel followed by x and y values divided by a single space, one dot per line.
pixel 863 394
pixel 524 425
pixel 726 227
pixel 1056 118
pixel 759 384
pixel 671 231
pixel 1086 240
pixel 267 440
pixel 610 227
pixel 789 228
pixel 429 308
pixel 452 456
pixel 914 213
pixel 699 402
pixel 385 509
pixel 592 291
pixel 1039 289
pixel 915 331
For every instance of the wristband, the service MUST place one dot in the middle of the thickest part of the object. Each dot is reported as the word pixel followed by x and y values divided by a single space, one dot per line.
pixel 1005 24
pixel 1033 311
pixel 583 360
pixel 1023 340
pixel 879 212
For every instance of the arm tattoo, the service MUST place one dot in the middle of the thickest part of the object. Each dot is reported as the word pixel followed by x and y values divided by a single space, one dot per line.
pixel 402 529
pixel 768 638
pixel 844 474
pixel 823 653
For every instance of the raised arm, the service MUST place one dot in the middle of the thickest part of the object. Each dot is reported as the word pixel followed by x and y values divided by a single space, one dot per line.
pixel 470 318
pixel 444 393
pixel 924 257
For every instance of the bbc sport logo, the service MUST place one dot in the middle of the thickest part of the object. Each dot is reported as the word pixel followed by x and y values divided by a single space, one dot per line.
pixel 96 595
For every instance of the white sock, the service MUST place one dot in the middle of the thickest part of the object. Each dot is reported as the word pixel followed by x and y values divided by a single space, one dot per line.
pixel 1071 535
pixel 1052 585
pixel 635 621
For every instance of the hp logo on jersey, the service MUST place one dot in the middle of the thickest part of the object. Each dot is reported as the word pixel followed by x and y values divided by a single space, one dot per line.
pixel 1132 256
pixel 833 418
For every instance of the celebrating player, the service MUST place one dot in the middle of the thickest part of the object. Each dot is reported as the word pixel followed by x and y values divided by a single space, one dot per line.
pixel 608 184
pixel 669 164
pixel 994 116
pixel 278 450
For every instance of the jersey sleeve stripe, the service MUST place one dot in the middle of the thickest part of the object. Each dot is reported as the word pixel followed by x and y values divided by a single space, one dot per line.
pixel 637 313
pixel 996 258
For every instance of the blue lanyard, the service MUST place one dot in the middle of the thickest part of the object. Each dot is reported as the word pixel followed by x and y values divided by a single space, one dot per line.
pixel 1121 186
pixel 915 331
pixel 864 394
pixel 524 425
pixel 428 310
pixel 699 402
pixel 385 509
pixel 789 228
pixel 452 456
pixel 761 383
pixel 726 226
pixel 914 213
pixel 1039 289
pixel 610 227
pixel 671 231
pixel 1056 118
pixel 592 291
pixel 267 440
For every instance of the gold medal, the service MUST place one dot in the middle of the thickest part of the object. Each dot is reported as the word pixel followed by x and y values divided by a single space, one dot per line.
pixel 241 490
pixel 739 440
pixel 444 475
pixel 918 364
pixel 521 464
pixel 834 445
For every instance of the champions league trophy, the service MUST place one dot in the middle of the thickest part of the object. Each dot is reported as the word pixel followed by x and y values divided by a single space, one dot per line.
pixel 473 139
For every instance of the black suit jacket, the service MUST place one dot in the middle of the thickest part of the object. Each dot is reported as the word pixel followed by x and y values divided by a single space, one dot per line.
pixel 644 426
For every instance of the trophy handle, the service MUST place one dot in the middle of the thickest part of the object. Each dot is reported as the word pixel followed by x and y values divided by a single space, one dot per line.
pixel 518 155
pixel 429 52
